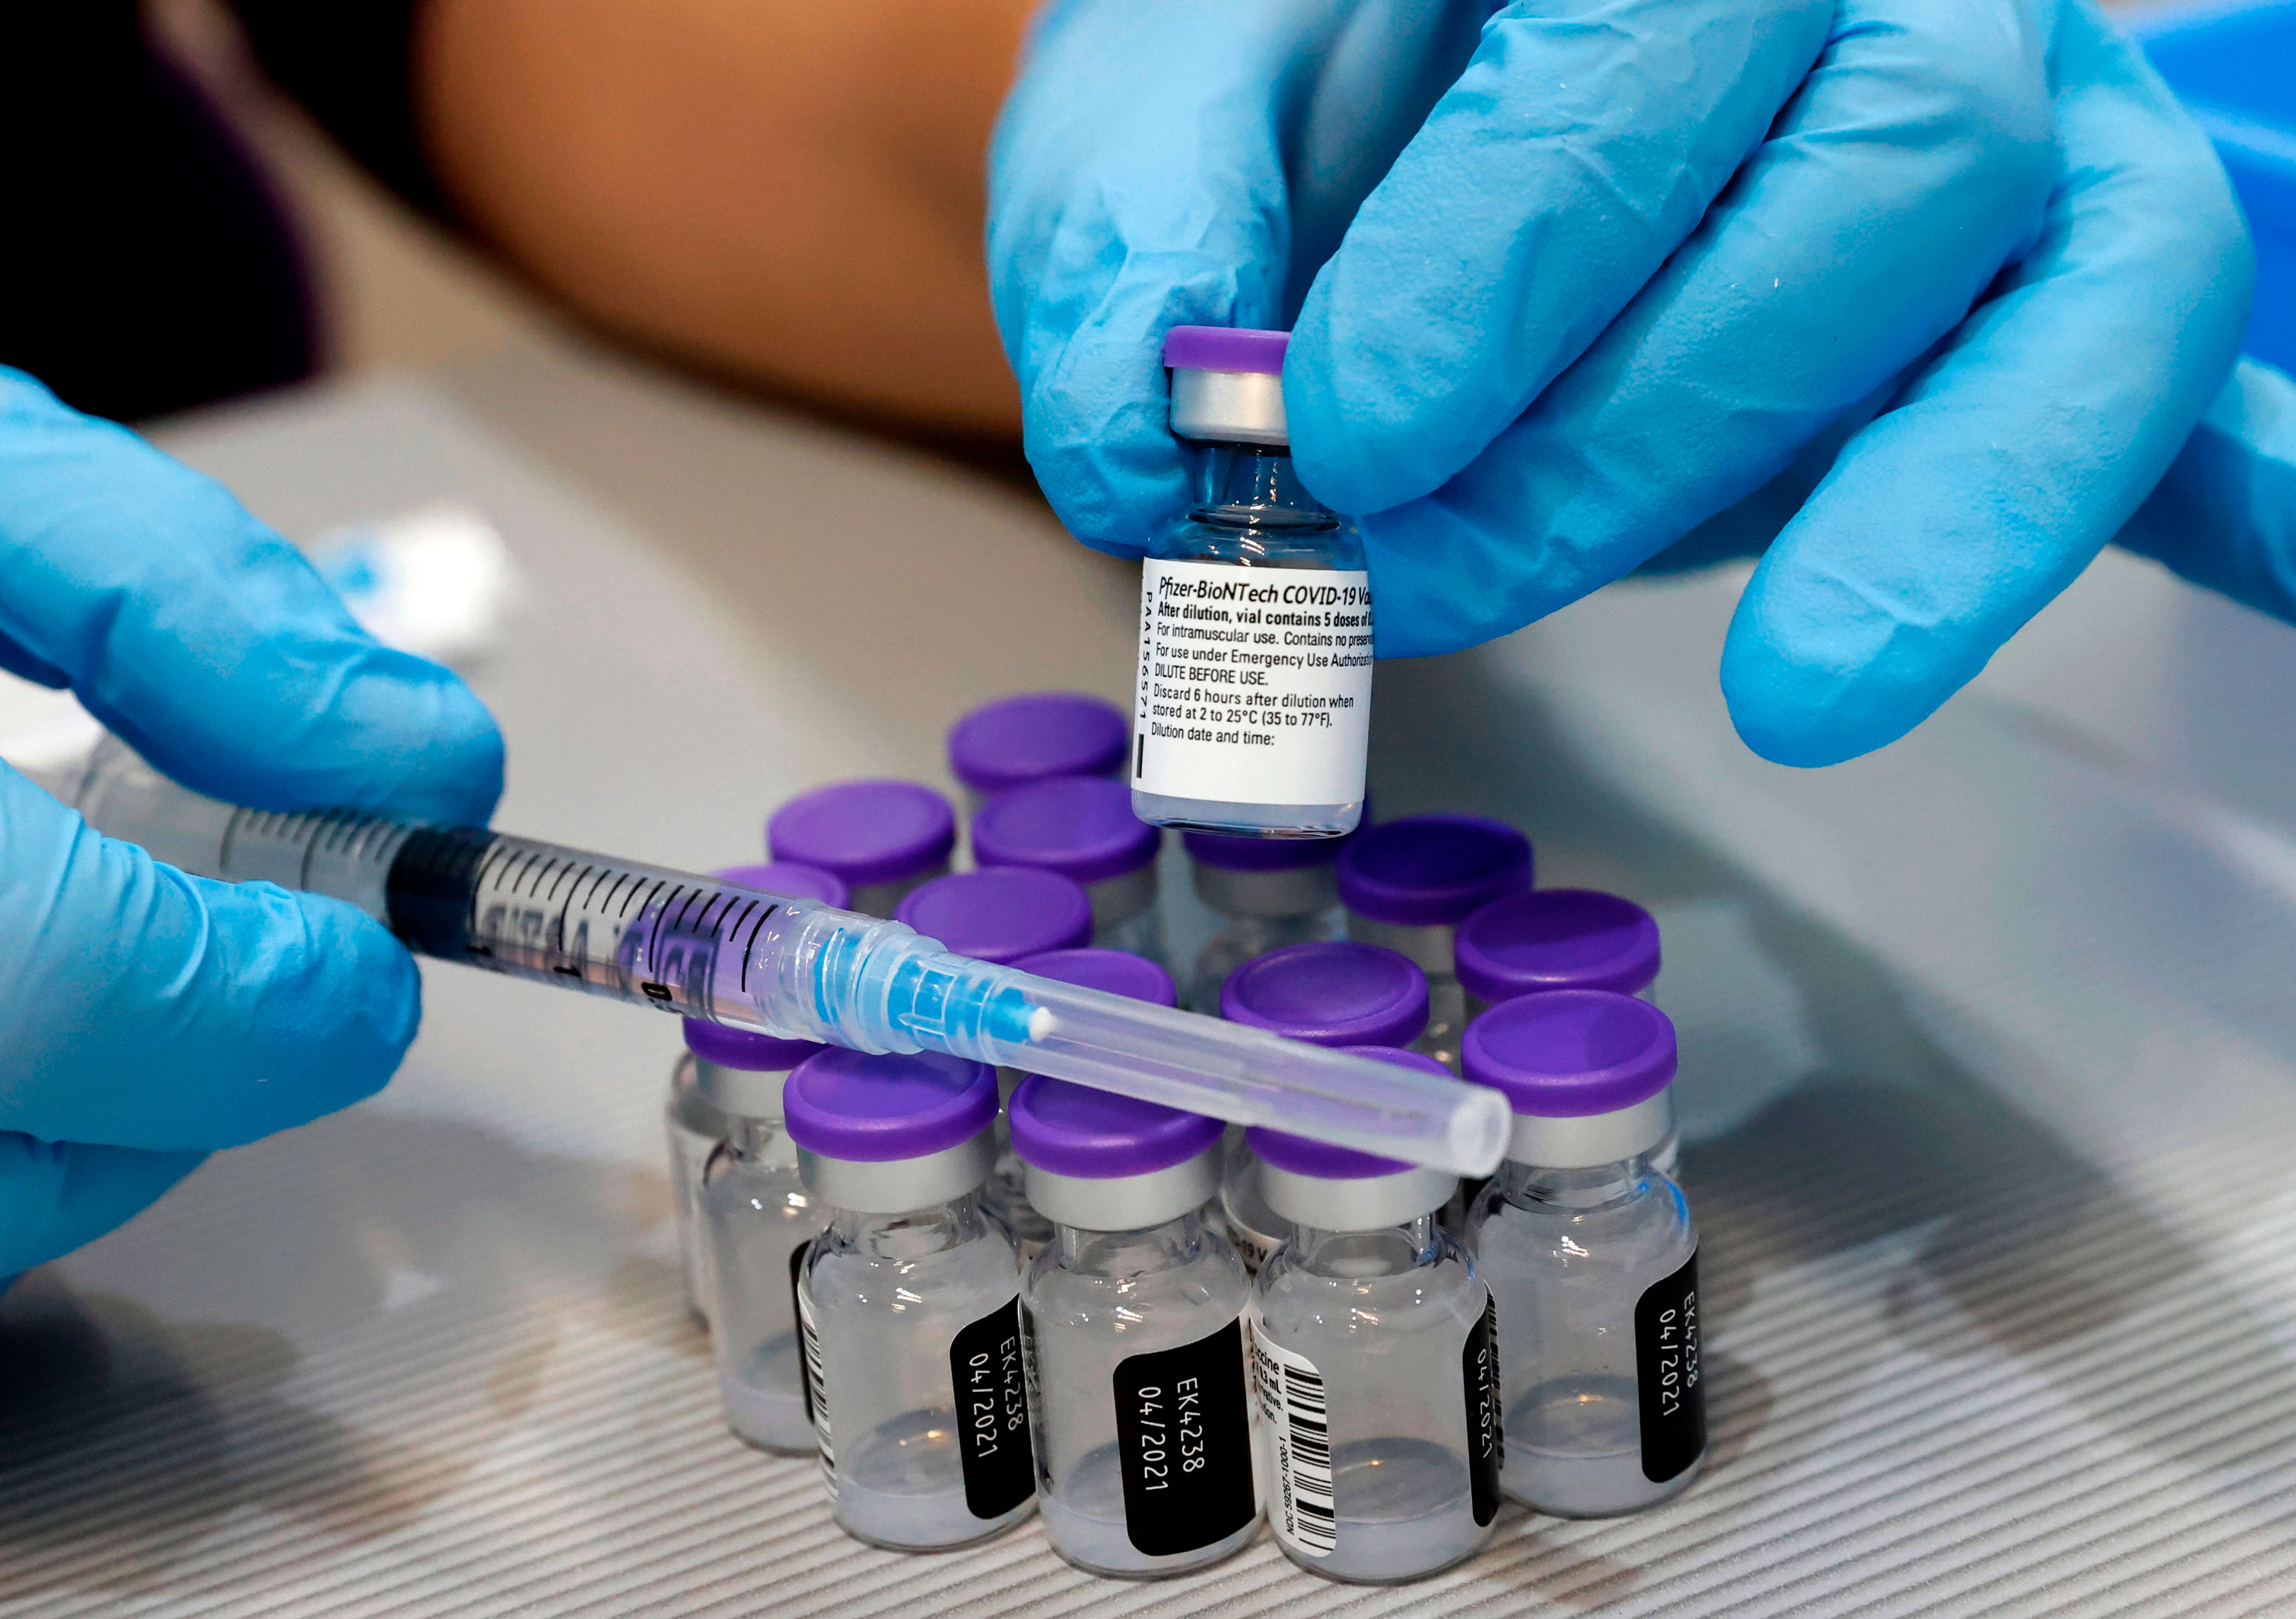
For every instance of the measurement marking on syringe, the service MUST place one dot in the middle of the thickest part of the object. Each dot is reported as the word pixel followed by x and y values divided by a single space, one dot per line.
pixel 495 851
pixel 753 945
pixel 649 899
pixel 661 919
pixel 530 869
pixel 558 929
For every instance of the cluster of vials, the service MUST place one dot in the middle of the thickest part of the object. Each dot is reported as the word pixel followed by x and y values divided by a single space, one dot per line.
pixel 978 1294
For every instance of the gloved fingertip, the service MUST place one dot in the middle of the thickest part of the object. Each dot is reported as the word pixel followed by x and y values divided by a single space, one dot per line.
pixel 1808 694
pixel 59 1195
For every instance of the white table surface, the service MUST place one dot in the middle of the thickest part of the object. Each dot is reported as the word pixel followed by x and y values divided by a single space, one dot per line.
pixel 1989 1087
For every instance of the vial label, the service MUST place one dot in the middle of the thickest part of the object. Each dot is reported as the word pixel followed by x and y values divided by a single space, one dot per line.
pixel 816 1391
pixel 992 1412
pixel 1479 1371
pixel 1666 1374
pixel 1255 684
pixel 1254 1249
pixel 1184 1441
pixel 1298 1419
pixel 797 1312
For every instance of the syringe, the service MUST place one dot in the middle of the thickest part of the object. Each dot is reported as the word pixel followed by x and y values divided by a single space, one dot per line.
pixel 792 967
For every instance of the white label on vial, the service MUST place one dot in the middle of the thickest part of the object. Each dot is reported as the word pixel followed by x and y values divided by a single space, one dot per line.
pixel 1299 1422
pixel 1255 684
pixel 817 1384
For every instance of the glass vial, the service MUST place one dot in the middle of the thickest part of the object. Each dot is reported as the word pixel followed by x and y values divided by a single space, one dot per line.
pixel 1557 938
pixel 758 1220
pixel 1376 1355
pixel 1035 736
pixel 696 1127
pixel 1119 973
pixel 1408 883
pixel 1337 994
pixel 881 839
pixel 1269 892
pixel 1082 828
pixel 1252 713
pixel 1590 1252
pixel 1136 1338
pixel 908 1302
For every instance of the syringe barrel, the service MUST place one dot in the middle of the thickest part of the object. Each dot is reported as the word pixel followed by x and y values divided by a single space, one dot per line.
pixel 703 948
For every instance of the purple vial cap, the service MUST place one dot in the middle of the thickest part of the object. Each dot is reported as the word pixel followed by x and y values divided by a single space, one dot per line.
pixel 1226 349
pixel 871 1110
pixel 1431 870
pixel 745 1048
pixel 792 880
pixel 1334 992
pixel 1035 736
pixel 1571 1052
pixel 1225 854
pixel 1117 972
pixel 866 832
pixel 1304 1155
pixel 1082 827
pixel 1557 938
pixel 1000 914
pixel 1075 1130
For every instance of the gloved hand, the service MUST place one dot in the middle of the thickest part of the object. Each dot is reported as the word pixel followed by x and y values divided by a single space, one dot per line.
pixel 1919 297
pixel 152 1017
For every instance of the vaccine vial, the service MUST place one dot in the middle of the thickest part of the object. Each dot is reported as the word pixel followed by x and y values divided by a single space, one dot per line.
pixel 1134 1321
pixel 1001 914
pixel 1035 736
pixel 1115 971
pixel 1082 828
pixel 1376 1354
pixel 758 1220
pixel 1336 993
pixel 695 1128
pixel 908 1302
pixel 1408 883
pixel 880 838
pixel 1269 892
pixel 1559 938
pixel 1252 713
pixel 1590 1252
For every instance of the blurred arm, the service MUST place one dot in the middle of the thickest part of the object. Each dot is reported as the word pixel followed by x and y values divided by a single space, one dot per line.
pixel 783 189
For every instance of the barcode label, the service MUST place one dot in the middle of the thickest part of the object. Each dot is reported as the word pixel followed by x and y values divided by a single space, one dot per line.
pixel 1298 1424
pixel 817 1387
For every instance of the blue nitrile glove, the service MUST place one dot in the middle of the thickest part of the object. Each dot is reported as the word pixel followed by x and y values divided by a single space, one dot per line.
pixel 151 1016
pixel 1928 293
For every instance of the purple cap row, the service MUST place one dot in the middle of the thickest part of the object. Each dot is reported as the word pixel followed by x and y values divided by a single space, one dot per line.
pixel 1081 827
pixel 1431 870
pixel 1037 737
pixel 1571 1052
pixel 1074 1130
pixel 866 832
pixel 1557 938
pixel 1333 993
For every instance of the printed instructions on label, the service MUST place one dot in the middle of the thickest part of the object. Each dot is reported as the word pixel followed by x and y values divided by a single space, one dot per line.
pixel 1297 1418
pixel 1255 684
